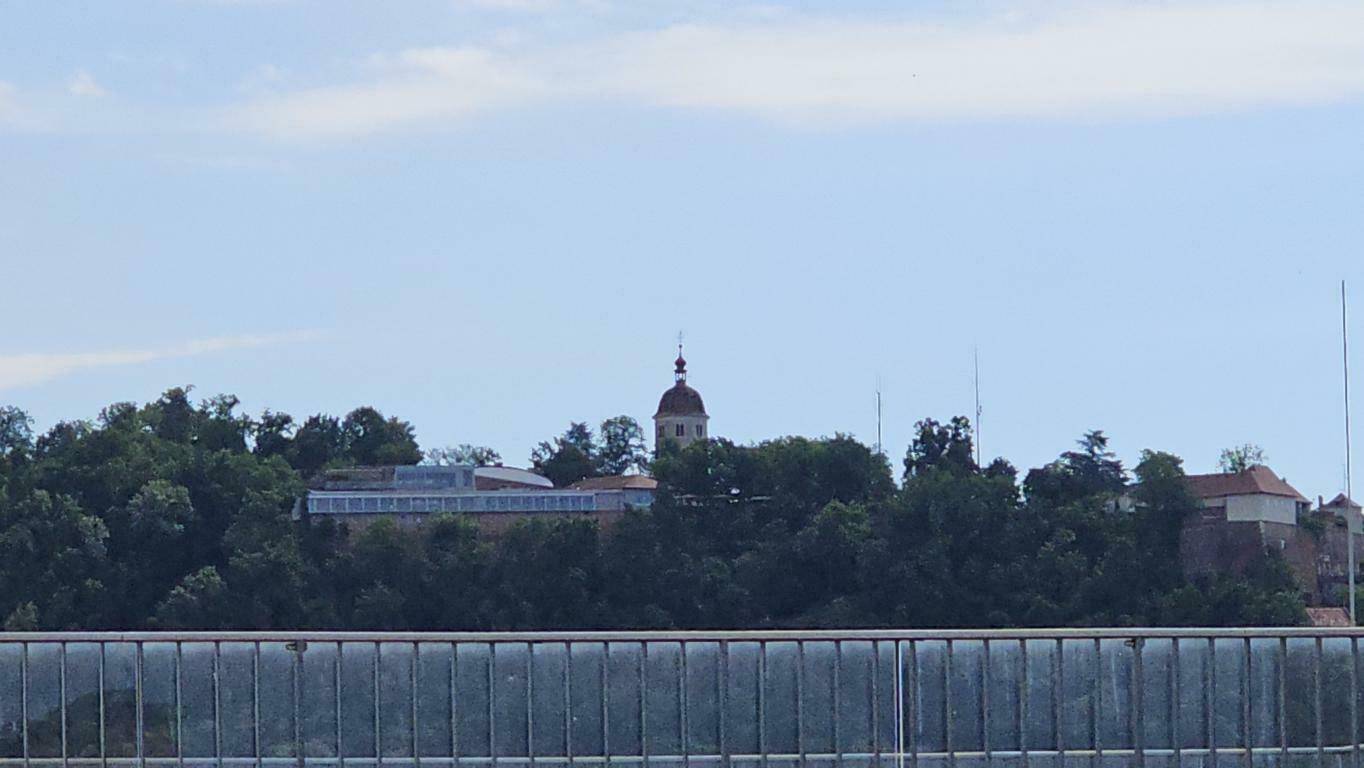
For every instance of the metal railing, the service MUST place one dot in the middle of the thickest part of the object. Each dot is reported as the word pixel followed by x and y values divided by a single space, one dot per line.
pixel 860 699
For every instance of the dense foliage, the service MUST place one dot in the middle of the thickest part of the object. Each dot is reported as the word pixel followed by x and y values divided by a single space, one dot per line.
pixel 174 514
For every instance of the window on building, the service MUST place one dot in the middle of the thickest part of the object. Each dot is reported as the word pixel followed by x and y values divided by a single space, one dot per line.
pixel 660 430
pixel 681 430
pixel 700 430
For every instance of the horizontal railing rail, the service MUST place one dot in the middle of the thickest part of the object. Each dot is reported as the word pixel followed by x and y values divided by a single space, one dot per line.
pixel 1167 698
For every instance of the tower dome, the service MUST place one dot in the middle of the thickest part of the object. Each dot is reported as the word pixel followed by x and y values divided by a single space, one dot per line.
pixel 681 416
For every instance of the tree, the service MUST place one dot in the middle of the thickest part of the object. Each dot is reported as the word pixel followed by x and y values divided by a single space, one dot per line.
pixel 941 446
pixel 1241 458
pixel 622 447
pixel 570 458
pixel 273 434
pixel 463 454
pixel 1092 470
pixel 16 433
pixel 317 444
pixel 200 601
pixel 372 440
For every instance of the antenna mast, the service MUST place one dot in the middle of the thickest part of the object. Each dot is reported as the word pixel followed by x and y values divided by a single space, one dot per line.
pixel 975 355
pixel 1349 492
pixel 879 450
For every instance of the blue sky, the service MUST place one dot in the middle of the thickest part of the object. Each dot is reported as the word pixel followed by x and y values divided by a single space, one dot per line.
pixel 493 217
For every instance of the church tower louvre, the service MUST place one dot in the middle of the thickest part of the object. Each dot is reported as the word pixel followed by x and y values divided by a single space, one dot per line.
pixel 681 417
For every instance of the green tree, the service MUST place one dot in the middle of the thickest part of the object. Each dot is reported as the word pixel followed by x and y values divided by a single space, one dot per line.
pixel 372 440
pixel 464 454
pixel 570 458
pixel 1241 458
pixel 622 447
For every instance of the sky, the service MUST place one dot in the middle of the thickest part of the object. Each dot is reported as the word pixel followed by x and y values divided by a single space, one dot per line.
pixel 494 217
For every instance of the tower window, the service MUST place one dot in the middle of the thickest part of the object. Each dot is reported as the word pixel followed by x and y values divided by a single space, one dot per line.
pixel 700 430
pixel 681 430
pixel 660 430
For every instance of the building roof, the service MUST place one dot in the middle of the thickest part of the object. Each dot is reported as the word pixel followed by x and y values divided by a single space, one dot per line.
pixel 1258 480
pixel 493 478
pixel 1341 501
pixel 1328 617
pixel 681 400
pixel 616 483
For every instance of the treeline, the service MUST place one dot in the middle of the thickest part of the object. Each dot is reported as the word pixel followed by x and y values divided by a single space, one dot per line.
pixel 177 515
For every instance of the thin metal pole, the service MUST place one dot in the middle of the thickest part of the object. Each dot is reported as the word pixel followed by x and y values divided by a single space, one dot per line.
pixel 985 701
pixel 1283 701
pixel 415 678
pixel 1176 741
pixel 1354 702
pixel 1210 701
pixel 947 705
pixel 568 702
pixel 643 704
pixel 722 695
pixel 138 704
pixel 682 700
pixel 454 705
pixel 1058 690
pixel 296 671
pixel 606 703
pixel 217 706
pixel 875 704
pixel 530 700
pixel 103 750
pixel 833 703
pixel 378 737
pixel 255 702
pixel 1316 704
pixel 1138 703
pixel 1351 518
pixel 800 701
pixel 62 685
pixel 1246 736
pixel 336 684
pixel 1021 710
pixel 1096 703
pixel 911 718
pixel 179 710
pixel 492 704
pixel 762 703
pixel 23 701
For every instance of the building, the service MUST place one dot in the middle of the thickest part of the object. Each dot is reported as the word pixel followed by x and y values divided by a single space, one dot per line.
pixel 1244 514
pixel 681 418
pixel 1255 495
pixel 494 497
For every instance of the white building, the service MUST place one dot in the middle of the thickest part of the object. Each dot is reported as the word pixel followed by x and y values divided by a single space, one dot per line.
pixel 1256 495
pixel 681 416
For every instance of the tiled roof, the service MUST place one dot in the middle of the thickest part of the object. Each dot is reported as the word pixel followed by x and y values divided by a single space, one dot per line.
pixel 1341 501
pixel 1256 480
pixel 616 483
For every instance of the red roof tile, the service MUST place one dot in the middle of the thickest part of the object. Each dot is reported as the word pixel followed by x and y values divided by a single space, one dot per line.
pixel 1256 480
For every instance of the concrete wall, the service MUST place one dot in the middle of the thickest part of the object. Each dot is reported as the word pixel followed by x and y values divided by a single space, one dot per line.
pixel 1262 508
pixel 693 428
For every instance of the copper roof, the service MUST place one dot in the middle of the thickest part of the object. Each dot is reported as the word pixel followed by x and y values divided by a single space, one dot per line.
pixel 616 483
pixel 1328 617
pixel 681 400
pixel 1256 480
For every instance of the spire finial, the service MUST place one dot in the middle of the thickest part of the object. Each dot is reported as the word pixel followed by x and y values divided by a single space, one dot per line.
pixel 680 370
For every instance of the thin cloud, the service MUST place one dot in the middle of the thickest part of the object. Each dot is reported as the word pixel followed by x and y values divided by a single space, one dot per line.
pixel 82 83
pixel 30 369
pixel 1108 61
